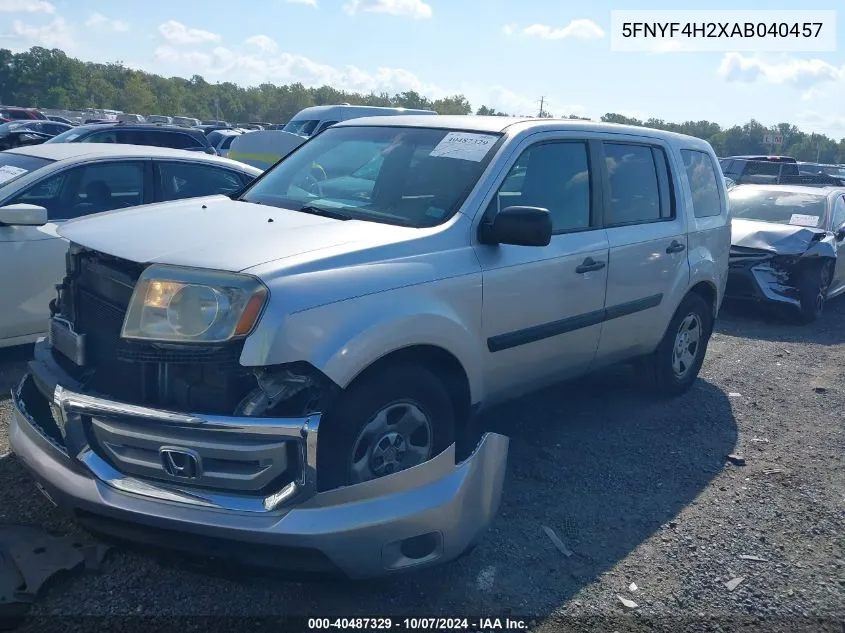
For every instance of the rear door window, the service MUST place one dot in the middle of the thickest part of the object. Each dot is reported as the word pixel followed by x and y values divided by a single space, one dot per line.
pixel 634 173
pixel 703 182
pixel 191 180
pixel 159 138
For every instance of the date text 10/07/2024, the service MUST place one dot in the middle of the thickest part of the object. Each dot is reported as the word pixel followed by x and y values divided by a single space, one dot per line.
pixel 417 624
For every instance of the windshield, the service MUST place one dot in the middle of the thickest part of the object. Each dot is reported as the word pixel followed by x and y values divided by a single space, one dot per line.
pixel 833 170
pixel 65 137
pixel 14 166
pixel 304 128
pixel 409 176
pixel 781 207
pixel 15 125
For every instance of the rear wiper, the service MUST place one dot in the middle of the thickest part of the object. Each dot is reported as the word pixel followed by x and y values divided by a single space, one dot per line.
pixel 328 213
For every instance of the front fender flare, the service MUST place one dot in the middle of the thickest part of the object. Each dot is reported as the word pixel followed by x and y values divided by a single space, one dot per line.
pixel 344 339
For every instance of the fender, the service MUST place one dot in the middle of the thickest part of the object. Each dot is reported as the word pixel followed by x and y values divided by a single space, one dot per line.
pixel 708 258
pixel 343 339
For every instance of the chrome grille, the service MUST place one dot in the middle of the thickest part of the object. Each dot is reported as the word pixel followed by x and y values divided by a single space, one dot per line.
pixel 226 461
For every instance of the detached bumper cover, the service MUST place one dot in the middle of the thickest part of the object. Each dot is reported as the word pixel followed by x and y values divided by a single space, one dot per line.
pixel 361 530
pixel 759 277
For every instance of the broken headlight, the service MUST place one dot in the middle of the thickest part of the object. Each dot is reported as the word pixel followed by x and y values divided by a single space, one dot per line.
pixel 173 304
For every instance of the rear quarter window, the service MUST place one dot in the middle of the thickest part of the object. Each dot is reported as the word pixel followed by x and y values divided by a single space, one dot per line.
pixel 704 184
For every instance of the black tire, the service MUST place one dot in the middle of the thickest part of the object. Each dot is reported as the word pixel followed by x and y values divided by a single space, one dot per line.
pixel 812 292
pixel 366 397
pixel 658 366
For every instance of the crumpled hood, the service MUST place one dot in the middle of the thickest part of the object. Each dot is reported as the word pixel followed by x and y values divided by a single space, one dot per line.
pixel 784 239
pixel 219 233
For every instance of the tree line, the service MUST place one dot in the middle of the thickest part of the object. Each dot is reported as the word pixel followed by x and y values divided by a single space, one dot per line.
pixel 46 78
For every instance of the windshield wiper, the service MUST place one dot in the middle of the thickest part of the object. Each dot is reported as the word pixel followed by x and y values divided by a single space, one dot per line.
pixel 327 213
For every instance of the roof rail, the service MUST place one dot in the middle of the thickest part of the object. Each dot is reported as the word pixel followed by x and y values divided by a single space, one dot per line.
pixel 810 180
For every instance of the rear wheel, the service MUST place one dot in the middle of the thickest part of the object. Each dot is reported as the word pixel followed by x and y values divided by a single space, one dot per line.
pixel 393 419
pixel 672 368
pixel 812 291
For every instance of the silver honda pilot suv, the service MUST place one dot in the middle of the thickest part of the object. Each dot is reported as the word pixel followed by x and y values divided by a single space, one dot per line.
pixel 298 369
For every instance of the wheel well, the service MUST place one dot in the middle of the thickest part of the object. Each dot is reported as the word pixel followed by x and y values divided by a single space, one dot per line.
pixel 706 291
pixel 439 362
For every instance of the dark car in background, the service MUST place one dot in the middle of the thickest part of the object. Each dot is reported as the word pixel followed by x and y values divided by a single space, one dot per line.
pixel 821 169
pixel 152 134
pixel 787 246
pixel 28 132
pixel 212 127
pixel 758 169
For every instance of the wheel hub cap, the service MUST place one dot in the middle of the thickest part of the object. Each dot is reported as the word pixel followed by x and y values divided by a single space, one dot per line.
pixel 388 453
pixel 687 342
pixel 399 436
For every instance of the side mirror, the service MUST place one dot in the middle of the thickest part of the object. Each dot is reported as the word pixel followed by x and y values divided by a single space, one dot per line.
pixel 840 232
pixel 519 226
pixel 211 150
pixel 23 215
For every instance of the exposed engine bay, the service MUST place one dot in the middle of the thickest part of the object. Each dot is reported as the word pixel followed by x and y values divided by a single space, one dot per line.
pixel 200 378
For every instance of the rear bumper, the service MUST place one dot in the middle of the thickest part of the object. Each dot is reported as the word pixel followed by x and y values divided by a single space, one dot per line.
pixel 418 517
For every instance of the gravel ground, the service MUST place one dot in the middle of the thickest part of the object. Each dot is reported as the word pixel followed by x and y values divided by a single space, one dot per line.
pixel 641 491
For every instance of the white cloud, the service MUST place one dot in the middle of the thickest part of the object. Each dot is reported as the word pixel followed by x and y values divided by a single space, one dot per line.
pixel 26 6
pixel 177 33
pixel 56 34
pixel 413 8
pixel 509 29
pixel 263 43
pixel 98 20
pixel 576 29
pixel 189 59
pixel 310 3
pixel 224 64
pixel 804 74
pixel 812 121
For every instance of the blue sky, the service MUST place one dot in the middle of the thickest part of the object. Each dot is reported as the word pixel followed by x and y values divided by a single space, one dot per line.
pixel 502 53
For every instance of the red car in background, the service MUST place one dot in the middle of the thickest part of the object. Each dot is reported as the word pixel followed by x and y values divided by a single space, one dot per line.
pixel 11 113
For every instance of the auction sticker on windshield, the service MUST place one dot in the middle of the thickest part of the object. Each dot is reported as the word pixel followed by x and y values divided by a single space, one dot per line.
pixel 464 145
pixel 804 220
pixel 7 172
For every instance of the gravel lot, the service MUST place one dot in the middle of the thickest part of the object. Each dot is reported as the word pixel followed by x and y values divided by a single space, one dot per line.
pixel 639 490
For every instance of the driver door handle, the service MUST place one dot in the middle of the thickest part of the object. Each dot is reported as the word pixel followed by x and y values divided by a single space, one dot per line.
pixel 589 265
pixel 675 247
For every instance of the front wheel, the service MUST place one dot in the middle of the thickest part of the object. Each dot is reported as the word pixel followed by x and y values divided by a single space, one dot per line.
pixel 393 419
pixel 675 364
pixel 812 291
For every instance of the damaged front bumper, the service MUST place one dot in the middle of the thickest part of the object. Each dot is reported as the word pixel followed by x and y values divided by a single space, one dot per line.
pixel 71 442
pixel 760 277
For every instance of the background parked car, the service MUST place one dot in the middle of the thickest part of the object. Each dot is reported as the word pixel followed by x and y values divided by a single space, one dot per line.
pixel 185 121
pixel 28 132
pixel 61 119
pixel 12 113
pixel 787 246
pixel 70 180
pixel 159 118
pixel 221 140
pixel 152 134
pixel 819 169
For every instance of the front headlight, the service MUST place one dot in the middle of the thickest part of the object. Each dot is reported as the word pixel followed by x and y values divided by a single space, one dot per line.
pixel 172 304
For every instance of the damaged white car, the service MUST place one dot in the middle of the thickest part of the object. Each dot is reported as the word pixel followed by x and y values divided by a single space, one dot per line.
pixel 787 246
pixel 290 375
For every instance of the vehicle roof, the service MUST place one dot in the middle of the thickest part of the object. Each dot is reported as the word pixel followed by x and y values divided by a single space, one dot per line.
pixel 132 125
pixel 69 151
pixel 771 157
pixel 500 124
pixel 323 109
pixel 822 191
